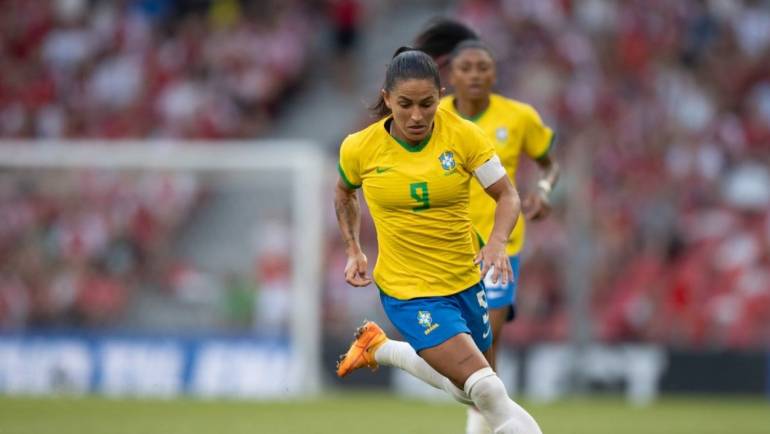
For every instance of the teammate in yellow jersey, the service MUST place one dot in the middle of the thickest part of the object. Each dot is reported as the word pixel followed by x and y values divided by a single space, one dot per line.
pixel 515 128
pixel 415 167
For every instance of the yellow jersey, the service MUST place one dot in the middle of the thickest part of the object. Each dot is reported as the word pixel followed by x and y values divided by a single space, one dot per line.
pixel 418 198
pixel 514 127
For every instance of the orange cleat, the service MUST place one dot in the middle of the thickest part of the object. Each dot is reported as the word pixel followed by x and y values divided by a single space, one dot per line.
pixel 369 337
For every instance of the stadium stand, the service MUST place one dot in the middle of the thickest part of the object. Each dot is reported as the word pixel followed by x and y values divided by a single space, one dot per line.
pixel 147 69
pixel 75 246
pixel 672 102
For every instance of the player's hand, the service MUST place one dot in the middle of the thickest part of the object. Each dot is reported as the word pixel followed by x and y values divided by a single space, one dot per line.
pixel 492 255
pixel 356 273
pixel 536 206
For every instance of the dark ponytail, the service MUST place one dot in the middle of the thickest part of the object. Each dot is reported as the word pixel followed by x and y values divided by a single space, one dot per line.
pixel 407 63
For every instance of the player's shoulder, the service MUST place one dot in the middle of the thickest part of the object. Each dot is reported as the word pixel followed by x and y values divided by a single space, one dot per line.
pixel 454 124
pixel 461 135
pixel 514 107
pixel 447 102
pixel 366 136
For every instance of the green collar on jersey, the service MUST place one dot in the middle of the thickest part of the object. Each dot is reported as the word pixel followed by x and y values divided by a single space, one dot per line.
pixel 475 117
pixel 406 145
pixel 413 148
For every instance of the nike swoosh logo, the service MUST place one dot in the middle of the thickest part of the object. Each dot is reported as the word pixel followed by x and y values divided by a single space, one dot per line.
pixel 382 169
pixel 486 333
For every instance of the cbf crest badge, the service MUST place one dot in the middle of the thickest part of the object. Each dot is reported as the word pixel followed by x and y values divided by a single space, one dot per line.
pixel 424 318
pixel 447 160
pixel 426 321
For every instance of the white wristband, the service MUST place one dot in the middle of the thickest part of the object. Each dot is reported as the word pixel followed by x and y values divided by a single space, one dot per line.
pixel 490 172
pixel 544 185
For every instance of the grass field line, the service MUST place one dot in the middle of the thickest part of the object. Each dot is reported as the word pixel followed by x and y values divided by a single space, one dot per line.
pixel 371 414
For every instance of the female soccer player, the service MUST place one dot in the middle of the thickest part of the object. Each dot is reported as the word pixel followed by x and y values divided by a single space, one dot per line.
pixel 514 128
pixel 415 166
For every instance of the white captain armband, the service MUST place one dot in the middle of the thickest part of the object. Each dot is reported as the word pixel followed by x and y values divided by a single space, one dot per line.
pixel 490 172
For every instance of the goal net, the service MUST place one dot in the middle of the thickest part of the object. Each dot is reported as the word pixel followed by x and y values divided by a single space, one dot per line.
pixel 161 268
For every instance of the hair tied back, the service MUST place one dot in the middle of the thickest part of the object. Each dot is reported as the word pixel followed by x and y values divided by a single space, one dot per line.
pixel 403 49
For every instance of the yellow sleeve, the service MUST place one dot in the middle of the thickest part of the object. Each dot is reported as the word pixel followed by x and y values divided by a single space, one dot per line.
pixel 349 164
pixel 538 138
pixel 478 148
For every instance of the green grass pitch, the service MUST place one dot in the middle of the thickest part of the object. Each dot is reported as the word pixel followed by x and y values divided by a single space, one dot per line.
pixel 370 414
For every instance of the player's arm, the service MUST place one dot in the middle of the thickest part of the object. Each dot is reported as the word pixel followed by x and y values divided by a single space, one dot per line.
pixel 496 183
pixel 348 212
pixel 538 144
pixel 538 205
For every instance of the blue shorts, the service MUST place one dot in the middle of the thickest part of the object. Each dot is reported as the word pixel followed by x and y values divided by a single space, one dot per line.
pixel 502 296
pixel 429 321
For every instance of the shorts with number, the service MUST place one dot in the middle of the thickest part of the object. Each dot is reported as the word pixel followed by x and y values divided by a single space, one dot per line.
pixel 430 321
pixel 501 296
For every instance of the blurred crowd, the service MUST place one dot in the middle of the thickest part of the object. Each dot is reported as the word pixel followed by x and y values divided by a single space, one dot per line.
pixel 73 244
pixel 147 68
pixel 662 111
pixel 76 245
pixel 663 117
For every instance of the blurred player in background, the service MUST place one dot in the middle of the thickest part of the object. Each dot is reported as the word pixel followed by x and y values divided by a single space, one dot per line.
pixel 514 128
pixel 439 39
pixel 415 165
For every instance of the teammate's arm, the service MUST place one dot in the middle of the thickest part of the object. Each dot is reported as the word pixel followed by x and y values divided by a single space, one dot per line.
pixel 349 220
pixel 506 213
pixel 537 205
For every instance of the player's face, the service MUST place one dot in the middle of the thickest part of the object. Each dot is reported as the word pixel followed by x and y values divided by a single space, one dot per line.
pixel 413 103
pixel 472 74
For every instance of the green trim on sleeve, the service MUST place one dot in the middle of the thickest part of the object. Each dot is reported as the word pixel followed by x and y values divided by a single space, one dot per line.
pixel 481 240
pixel 345 178
pixel 548 148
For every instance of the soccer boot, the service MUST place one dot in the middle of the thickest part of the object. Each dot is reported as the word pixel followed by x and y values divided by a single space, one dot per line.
pixel 369 337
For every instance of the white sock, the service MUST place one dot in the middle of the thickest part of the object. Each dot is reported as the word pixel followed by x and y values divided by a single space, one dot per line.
pixel 502 414
pixel 476 424
pixel 401 355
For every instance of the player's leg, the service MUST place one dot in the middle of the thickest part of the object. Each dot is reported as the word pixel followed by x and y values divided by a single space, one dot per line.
pixel 502 304
pixel 460 359
pixel 475 422
pixel 502 414
pixel 425 323
pixel 449 332
pixel 502 309
pixel 501 299
pixel 372 348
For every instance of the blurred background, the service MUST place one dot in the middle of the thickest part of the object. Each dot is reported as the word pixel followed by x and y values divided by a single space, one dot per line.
pixel 652 276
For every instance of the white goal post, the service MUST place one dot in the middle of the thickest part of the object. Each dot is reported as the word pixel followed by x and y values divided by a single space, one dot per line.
pixel 302 163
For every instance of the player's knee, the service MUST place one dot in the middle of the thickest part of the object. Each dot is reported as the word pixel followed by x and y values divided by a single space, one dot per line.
pixel 484 386
pixel 503 415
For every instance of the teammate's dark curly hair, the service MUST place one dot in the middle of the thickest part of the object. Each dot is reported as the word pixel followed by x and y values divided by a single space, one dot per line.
pixel 441 35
